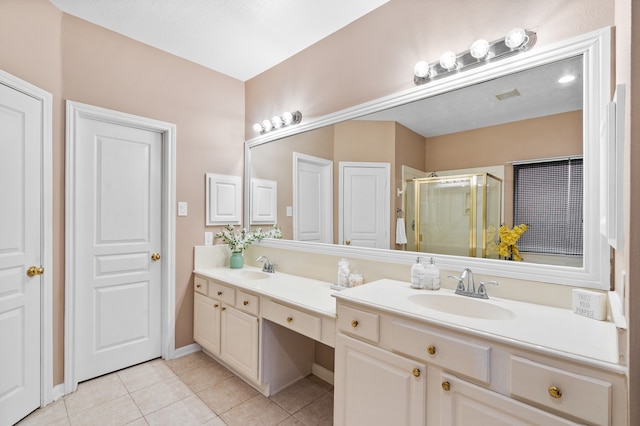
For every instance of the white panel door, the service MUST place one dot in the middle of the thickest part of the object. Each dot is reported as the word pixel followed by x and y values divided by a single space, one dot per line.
pixel 312 199
pixel 365 204
pixel 20 248
pixel 118 288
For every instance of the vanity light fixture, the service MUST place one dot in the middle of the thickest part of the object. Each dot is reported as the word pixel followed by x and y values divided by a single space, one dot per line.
pixel 481 52
pixel 287 119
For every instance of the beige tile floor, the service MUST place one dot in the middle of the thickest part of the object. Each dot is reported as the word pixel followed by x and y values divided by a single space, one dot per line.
pixel 191 390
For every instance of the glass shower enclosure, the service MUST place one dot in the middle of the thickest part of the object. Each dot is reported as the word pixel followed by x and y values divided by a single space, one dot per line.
pixel 457 215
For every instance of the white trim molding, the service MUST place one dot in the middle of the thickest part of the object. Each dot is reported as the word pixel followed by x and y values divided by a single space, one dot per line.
pixel 74 111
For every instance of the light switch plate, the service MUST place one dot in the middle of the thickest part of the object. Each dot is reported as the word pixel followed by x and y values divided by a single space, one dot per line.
pixel 289 211
pixel 182 208
pixel 208 238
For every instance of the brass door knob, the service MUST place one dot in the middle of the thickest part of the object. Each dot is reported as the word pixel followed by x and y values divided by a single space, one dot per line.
pixel 416 372
pixel 34 270
pixel 354 323
pixel 348 242
pixel 555 392
pixel 446 386
pixel 431 349
pixel 289 319
pixel 155 256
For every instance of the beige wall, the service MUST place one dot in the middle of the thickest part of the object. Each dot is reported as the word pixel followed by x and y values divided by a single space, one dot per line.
pixel 79 61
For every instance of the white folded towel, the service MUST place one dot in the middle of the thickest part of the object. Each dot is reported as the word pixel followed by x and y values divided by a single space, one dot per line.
pixel 401 233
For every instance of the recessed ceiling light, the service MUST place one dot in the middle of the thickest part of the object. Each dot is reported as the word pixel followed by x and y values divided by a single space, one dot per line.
pixel 566 79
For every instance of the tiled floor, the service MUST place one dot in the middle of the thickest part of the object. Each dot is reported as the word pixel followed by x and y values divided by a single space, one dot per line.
pixel 191 390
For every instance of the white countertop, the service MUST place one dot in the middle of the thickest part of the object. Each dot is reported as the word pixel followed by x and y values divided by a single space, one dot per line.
pixel 307 293
pixel 543 328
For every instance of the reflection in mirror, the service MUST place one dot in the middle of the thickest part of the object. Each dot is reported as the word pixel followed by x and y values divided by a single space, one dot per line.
pixel 537 122
pixel 487 129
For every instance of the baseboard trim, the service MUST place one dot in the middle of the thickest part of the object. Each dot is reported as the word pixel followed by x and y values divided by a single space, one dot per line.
pixel 186 350
pixel 57 392
pixel 322 372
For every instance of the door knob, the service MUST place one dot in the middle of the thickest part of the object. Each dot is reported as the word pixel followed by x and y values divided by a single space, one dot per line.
pixel 34 270
pixel 348 242
pixel 155 256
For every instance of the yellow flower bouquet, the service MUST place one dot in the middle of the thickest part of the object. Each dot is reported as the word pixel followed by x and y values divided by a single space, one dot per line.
pixel 508 239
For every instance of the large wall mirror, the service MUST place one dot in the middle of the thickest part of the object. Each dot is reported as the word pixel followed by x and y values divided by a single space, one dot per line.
pixel 528 143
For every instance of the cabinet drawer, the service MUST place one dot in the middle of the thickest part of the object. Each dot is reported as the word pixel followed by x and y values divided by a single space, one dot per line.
pixel 248 302
pixel 200 285
pixel 301 322
pixel 456 355
pixel 579 396
pixel 359 323
pixel 222 292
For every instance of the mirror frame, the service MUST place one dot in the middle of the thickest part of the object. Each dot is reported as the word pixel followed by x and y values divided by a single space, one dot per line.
pixel 595 47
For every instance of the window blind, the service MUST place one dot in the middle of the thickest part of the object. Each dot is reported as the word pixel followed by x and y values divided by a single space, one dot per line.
pixel 548 198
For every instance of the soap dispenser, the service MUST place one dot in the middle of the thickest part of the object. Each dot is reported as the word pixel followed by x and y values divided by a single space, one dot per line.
pixel 417 274
pixel 432 276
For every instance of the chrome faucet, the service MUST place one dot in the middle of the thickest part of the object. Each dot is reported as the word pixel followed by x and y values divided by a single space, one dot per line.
pixel 268 266
pixel 471 291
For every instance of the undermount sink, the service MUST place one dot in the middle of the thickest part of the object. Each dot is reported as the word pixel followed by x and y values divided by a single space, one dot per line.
pixel 462 306
pixel 250 275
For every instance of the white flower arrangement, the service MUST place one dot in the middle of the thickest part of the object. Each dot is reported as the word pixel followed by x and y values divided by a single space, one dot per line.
pixel 239 241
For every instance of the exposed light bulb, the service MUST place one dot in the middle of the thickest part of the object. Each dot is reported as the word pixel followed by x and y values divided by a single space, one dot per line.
pixel 257 128
pixel 422 70
pixel 448 60
pixel 277 122
pixel 515 38
pixel 266 125
pixel 479 49
pixel 287 118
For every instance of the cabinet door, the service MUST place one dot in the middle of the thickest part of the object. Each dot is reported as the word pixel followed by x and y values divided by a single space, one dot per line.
pixel 239 341
pixel 377 387
pixel 206 323
pixel 467 404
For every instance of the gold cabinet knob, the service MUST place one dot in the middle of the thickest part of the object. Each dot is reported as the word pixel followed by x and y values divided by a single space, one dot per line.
pixel 354 323
pixel 223 309
pixel 289 319
pixel 555 392
pixel 348 242
pixel 219 293
pixel 446 386
pixel 215 305
pixel 34 270
pixel 245 303
pixel 198 285
pixel 416 372
pixel 155 256
pixel 431 349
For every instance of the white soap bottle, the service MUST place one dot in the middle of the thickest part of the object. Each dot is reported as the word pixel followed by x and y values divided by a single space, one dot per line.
pixel 432 276
pixel 417 274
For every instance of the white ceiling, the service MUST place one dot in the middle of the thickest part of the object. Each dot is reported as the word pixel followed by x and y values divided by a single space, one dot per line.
pixel 476 106
pixel 239 38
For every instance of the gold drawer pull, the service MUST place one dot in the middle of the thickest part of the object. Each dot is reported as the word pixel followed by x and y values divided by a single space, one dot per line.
pixel 354 323
pixel 289 319
pixel 245 303
pixel 416 372
pixel 223 308
pixel 219 293
pixel 555 392
pixel 446 386
pixel 431 349
pixel 198 285
pixel 216 305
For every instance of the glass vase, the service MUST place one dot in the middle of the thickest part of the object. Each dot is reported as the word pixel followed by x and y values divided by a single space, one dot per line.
pixel 236 261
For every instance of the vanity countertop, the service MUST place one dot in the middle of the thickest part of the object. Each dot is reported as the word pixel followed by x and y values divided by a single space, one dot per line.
pixel 307 293
pixel 556 331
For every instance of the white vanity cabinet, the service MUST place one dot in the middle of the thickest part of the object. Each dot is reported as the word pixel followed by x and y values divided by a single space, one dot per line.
pixel 226 324
pixel 465 378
